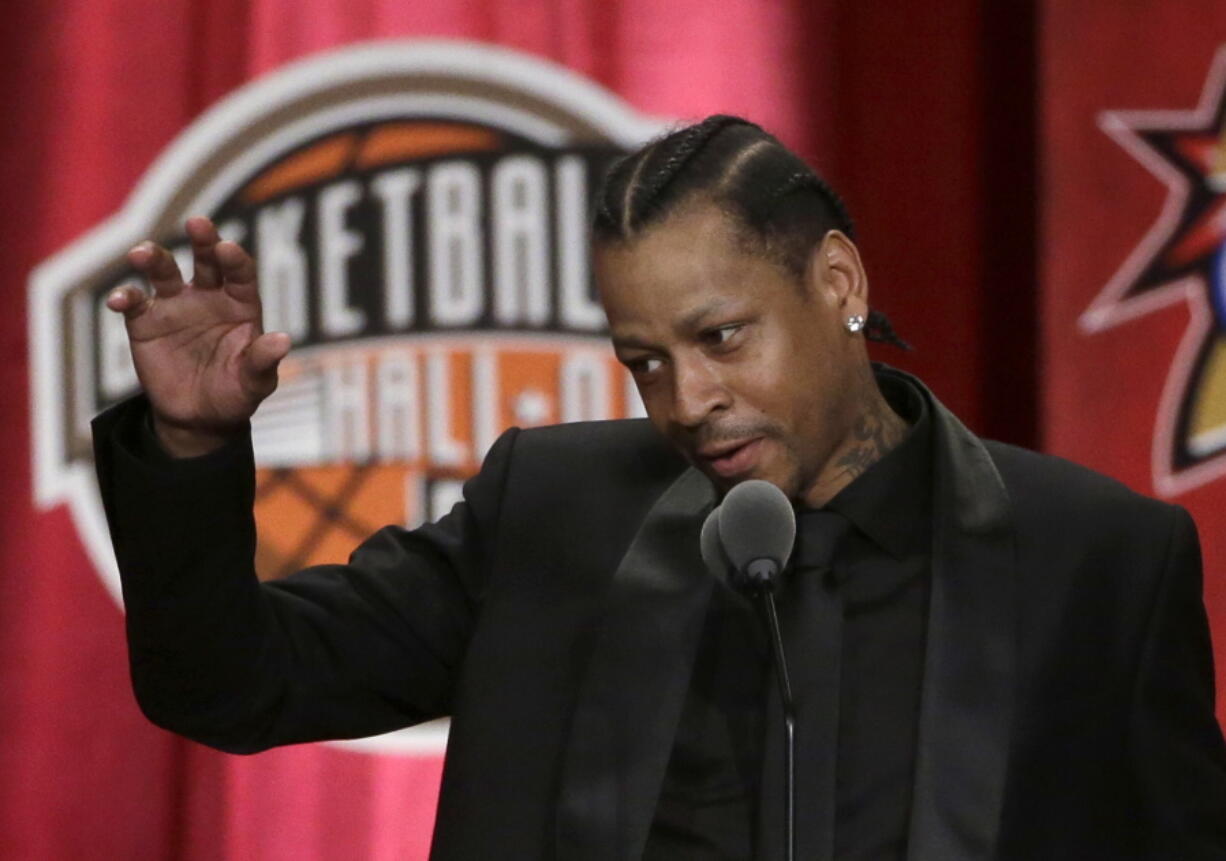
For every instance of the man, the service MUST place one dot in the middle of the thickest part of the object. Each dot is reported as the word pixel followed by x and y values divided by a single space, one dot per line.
pixel 996 654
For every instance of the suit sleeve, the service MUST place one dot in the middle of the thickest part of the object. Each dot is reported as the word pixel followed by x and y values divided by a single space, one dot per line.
pixel 1177 744
pixel 333 651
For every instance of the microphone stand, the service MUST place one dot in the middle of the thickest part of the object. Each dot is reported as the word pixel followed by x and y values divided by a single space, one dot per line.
pixel 760 579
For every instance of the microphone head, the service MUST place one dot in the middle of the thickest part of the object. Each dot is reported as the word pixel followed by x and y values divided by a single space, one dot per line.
pixel 756 522
pixel 713 549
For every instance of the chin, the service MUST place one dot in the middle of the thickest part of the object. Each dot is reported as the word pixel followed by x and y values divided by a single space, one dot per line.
pixel 789 487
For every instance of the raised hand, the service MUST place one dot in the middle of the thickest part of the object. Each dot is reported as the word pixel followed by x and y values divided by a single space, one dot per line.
pixel 199 348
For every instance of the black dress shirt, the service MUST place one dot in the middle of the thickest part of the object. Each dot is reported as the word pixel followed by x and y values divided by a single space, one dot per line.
pixel 882 572
pixel 853 607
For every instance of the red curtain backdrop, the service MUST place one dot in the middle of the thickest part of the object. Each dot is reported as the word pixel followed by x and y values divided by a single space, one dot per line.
pixel 921 113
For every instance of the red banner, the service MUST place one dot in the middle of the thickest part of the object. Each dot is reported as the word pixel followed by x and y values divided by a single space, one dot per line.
pixel 1134 98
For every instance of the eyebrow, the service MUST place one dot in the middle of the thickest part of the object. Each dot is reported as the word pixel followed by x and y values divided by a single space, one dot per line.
pixel 688 323
pixel 630 342
pixel 694 318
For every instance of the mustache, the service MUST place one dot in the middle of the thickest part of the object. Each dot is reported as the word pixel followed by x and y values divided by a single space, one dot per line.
pixel 730 431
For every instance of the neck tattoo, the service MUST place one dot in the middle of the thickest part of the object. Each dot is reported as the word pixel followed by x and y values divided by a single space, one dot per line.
pixel 876 431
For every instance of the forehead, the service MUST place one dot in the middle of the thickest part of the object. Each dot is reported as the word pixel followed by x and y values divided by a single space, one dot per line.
pixel 692 257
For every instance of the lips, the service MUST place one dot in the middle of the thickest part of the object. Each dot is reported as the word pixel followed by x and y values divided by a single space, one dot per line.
pixel 730 459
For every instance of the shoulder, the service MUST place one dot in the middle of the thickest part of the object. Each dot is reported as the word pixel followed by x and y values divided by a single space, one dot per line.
pixel 1031 472
pixel 637 433
pixel 562 461
pixel 624 445
pixel 580 487
pixel 1062 495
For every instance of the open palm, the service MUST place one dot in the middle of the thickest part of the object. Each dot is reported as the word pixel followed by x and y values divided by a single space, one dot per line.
pixel 199 348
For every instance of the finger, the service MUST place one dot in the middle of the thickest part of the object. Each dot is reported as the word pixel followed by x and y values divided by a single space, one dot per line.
pixel 261 360
pixel 159 266
pixel 238 270
pixel 203 236
pixel 127 299
pixel 266 351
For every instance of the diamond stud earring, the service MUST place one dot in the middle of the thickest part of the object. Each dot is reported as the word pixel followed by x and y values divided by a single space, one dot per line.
pixel 854 323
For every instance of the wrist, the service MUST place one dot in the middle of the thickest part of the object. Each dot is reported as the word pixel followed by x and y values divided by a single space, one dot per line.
pixel 181 442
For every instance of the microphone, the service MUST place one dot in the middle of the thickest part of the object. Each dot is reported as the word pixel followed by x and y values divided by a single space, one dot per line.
pixel 748 539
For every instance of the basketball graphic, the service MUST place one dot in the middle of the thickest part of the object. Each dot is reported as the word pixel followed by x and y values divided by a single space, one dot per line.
pixel 383 410
pixel 419 217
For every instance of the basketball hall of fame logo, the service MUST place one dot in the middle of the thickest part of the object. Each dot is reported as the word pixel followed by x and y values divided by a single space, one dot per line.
pixel 1181 258
pixel 419 216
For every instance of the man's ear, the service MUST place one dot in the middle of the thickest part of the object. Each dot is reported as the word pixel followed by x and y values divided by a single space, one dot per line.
pixel 836 274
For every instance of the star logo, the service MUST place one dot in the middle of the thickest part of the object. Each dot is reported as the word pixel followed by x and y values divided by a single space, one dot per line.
pixel 1181 258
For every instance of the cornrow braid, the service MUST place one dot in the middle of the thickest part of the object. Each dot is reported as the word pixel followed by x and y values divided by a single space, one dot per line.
pixel 777 201
pixel 603 212
pixel 879 328
pixel 690 142
pixel 632 187
pixel 636 189
pixel 802 179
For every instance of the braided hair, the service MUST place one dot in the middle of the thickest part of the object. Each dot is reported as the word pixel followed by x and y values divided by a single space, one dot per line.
pixel 748 173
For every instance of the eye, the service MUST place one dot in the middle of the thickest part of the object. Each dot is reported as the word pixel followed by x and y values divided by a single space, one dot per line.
pixel 721 336
pixel 643 365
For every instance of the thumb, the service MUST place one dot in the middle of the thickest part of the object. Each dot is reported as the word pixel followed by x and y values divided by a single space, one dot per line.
pixel 261 359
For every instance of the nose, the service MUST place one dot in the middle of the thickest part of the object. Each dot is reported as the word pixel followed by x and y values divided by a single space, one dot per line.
pixel 698 392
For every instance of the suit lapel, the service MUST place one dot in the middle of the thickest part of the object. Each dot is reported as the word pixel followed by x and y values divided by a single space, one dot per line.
pixel 630 700
pixel 969 667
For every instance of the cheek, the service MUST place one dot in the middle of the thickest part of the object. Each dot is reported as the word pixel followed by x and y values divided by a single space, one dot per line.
pixel 775 390
pixel 655 402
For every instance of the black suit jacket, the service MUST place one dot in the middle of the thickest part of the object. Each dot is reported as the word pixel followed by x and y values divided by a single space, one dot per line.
pixel 1067 707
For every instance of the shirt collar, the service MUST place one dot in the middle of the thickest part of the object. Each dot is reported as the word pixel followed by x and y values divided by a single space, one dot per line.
pixel 891 501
